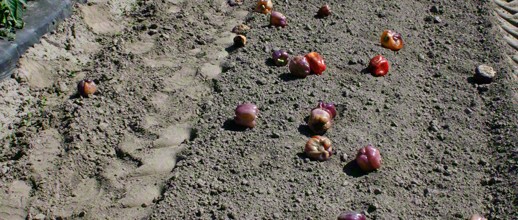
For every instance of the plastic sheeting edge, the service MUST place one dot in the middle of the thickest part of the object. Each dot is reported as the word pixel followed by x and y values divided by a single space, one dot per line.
pixel 44 16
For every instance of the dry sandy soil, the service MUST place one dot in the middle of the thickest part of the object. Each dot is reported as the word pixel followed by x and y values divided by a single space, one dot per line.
pixel 157 140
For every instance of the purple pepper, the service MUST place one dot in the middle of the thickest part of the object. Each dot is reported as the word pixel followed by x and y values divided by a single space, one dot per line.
pixel 351 216
pixel 246 114
pixel 277 19
pixel 280 57
pixel 299 66
pixel 329 107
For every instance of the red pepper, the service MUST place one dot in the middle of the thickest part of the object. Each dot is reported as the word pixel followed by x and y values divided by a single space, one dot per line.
pixel 316 63
pixel 379 66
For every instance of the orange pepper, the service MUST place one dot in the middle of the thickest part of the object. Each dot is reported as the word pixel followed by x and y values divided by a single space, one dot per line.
pixel 264 6
pixel 391 40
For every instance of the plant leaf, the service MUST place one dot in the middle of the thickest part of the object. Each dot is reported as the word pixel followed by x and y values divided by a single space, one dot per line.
pixel 12 5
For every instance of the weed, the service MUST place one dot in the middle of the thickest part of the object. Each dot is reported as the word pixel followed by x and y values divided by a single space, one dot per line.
pixel 72 74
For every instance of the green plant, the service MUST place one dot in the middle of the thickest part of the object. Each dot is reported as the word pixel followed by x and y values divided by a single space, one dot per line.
pixel 11 17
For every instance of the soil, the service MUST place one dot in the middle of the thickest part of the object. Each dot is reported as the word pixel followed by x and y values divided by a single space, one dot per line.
pixel 157 141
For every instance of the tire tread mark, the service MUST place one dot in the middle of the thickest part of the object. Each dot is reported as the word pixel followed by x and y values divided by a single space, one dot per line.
pixel 507 12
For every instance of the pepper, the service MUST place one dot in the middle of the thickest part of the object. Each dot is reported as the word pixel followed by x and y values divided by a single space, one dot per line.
pixel 391 40
pixel 379 66
pixel 264 6
pixel 316 63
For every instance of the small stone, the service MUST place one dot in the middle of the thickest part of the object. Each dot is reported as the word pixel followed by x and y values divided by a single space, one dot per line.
pixel 421 58
pixel 39 217
pixel 62 86
pixel 484 74
pixel 240 29
pixel 343 157
pixel 235 2
pixel 494 180
pixel 103 126
pixel 152 32
pixel 433 126
pixel 267 48
pixel 426 192
pixel 226 66
pixel 260 82
pixel 437 19
pixel 377 191
pixel 5 169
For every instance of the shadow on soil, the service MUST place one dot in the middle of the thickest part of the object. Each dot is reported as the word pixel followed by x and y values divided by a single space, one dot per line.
pixel 365 71
pixel 75 96
pixel 231 49
pixel 288 77
pixel 269 62
pixel 304 129
pixel 481 85
pixel 230 125
pixel 302 155
pixel 352 169
pixel 471 80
